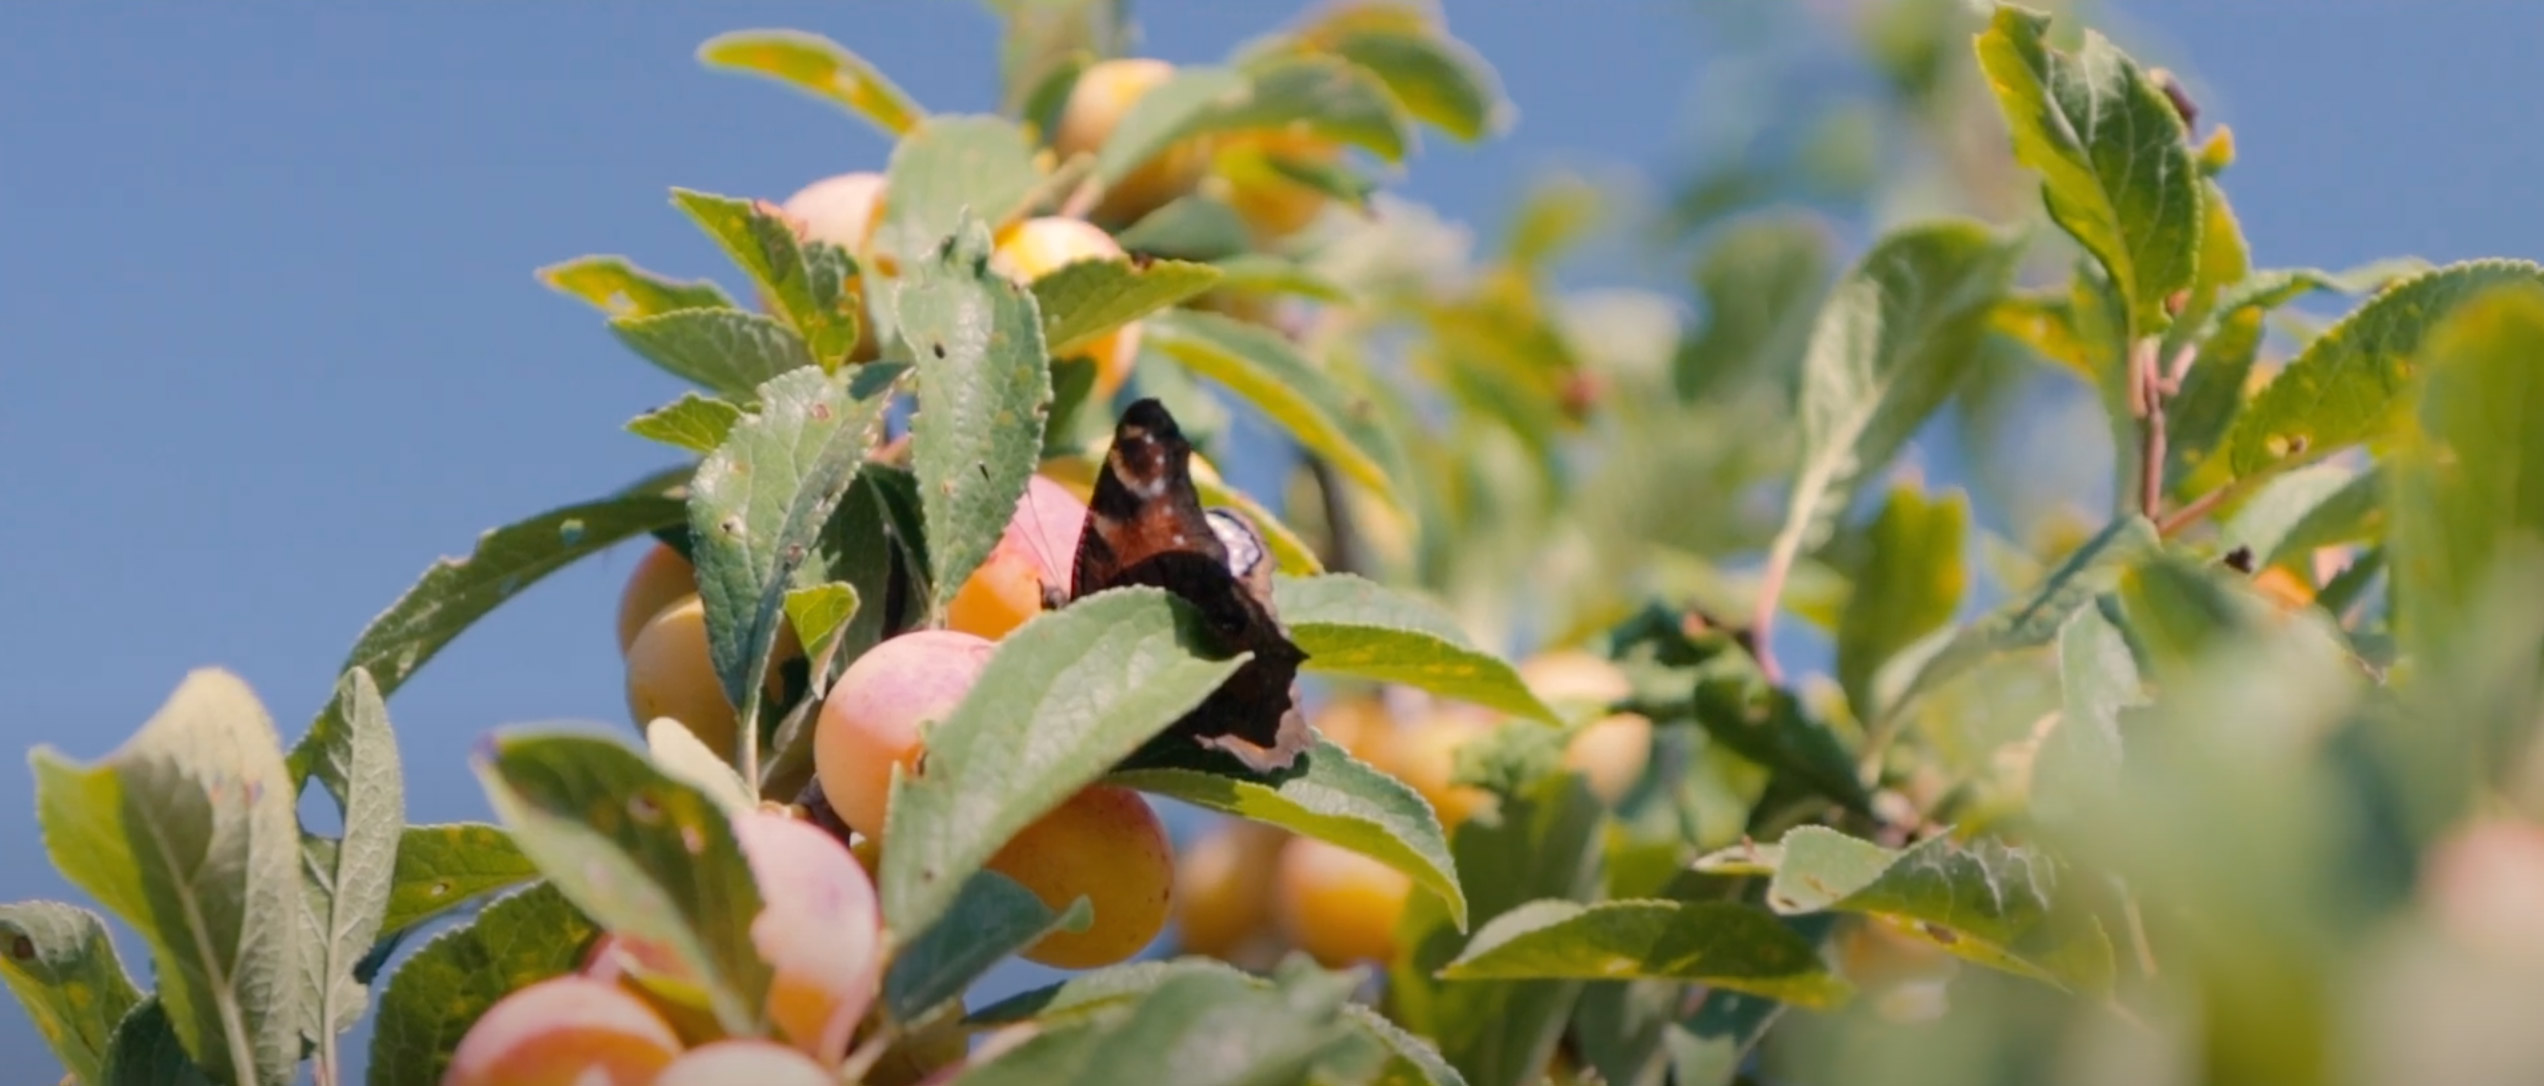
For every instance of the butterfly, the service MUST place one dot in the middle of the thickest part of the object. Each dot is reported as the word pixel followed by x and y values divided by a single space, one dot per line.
pixel 1145 525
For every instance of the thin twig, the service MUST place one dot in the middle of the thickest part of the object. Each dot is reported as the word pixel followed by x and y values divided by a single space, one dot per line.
pixel 1342 544
pixel 1762 620
pixel 2198 507
pixel 2147 400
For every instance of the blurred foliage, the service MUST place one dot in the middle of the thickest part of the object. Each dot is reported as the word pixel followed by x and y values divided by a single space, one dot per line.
pixel 1974 627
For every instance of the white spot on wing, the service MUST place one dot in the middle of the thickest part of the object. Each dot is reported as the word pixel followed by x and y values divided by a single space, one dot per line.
pixel 1245 546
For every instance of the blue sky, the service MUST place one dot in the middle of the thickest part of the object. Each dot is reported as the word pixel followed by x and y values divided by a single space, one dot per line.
pixel 272 342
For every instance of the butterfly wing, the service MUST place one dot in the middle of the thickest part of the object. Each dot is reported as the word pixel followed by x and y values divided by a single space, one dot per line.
pixel 1146 526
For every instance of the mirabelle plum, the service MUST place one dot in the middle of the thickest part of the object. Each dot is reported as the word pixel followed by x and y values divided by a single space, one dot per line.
pixel 1273 203
pixel 651 973
pixel 819 928
pixel 1223 887
pixel 660 579
pixel 1337 904
pixel 1097 103
pixel 873 718
pixel 2483 882
pixel 1612 753
pixel 843 211
pixel 1106 845
pixel 669 673
pixel 1037 247
pixel 1424 755
pixel 1904 974
pixel 566 1031
pixel 1039 547
pixel 1358 723
pixel 1571 681
pixel 760 1063
pixel 2289 591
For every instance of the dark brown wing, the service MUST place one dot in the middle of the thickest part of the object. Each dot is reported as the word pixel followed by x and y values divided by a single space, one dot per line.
pixel 1144 504
pixel 1145 526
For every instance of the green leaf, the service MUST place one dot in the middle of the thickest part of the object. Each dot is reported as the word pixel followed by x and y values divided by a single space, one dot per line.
pixel 1438 79
pixel 643 853
pixel 1414 1059
pixel 2270 288
pixel 984 390
pixel 187 833
pixel 2467 495
pixel 440 991
pixel 1350 625
pixel 1907 586
pixel 1319 96
pixel 622 289
pixel 145 1051
pixel 2116 172
pixel 2079 761
pixel 1717 943
pixel 1541 843
pixel 2224 260
pixel 1083 300
pixel 1268 372
pixel 1985 902
pixel 352 753
pixel 819 67
pixel 1191 227
pixel 820 614
pixel 727 351
pixel 946 168
pixel 1204 1028
pixel 2347 386
pixel 2034 620
pixel 2180 615
pixel 64 970
pixel 807 284
pixel 1096 989
pixel 1167 113
pixel 1338 800
pixel 1892 341
pixel 456 592
pixel 1710 1047
pixel 1758 281
pixel 756 506
pixel 693 422
pixel 440 868
pixel 1066 697
pixel 2315 506
pixel 993 917
pixel 2196 419
pixel 1263 273
pixel 678 752
pixel 1768 725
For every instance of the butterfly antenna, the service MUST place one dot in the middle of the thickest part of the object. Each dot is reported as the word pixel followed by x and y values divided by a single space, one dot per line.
pixel 1034 543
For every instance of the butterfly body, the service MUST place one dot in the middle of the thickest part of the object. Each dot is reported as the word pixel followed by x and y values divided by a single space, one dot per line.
pixel 1146 526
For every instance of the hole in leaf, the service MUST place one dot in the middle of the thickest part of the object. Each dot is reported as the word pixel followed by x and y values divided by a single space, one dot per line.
pixel 319 813
pixel 644 808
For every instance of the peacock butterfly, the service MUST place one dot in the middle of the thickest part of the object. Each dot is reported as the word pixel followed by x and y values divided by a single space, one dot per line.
pixel 1145 525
